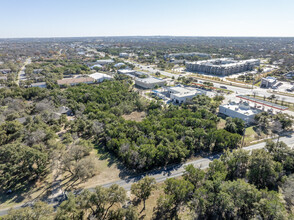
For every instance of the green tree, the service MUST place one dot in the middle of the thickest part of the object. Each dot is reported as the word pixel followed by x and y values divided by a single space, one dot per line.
pixel 271 206
pixel 69 209
pixel 237 163
pixel 177 193
pixel 194 175
pixel 39 211
pixel 143 188
pixel 263 170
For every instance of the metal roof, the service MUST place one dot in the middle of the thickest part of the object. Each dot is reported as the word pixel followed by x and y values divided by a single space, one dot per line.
pixel 262 102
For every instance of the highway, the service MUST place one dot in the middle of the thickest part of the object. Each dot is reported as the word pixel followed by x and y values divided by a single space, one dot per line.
pixel 172 171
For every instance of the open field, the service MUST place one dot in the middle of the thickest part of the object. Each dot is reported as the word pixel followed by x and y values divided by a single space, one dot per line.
pixel 109 170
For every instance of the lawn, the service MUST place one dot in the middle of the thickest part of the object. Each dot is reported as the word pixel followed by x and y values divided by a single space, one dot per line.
pixel 250 135
pixel 221 124
pixel 109 170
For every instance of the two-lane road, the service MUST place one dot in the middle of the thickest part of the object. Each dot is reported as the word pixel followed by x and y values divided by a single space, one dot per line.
pixel 178 170
pixel 172 171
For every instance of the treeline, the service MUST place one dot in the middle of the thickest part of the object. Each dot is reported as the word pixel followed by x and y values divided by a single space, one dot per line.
pixel 25 151
pixel 239 185
pixel 166 135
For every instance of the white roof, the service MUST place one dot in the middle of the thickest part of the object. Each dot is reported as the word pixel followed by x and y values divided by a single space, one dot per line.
pixel 150 80
pixel 125 71
pixel 242 109
pixel 178 89
pixel 187 94
pixel 97 76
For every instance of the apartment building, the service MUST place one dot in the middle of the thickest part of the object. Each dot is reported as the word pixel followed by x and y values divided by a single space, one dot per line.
pixel 223 66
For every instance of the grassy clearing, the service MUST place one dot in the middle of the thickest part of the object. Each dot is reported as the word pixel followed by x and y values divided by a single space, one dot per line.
pixel 135 116
pixel 250 135
pixel 221 124
pixel 160 76
pixel 238 81
pixel 150 203
pixel 33 191
pixel 109 170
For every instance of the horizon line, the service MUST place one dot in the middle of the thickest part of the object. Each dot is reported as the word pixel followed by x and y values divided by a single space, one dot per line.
pixel 106 36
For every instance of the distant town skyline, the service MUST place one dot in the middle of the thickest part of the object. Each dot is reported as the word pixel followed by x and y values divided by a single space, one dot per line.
pixel 90 18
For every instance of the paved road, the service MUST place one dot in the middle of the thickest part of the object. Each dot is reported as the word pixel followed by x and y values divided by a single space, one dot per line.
pixel 175 170
pixel 178 170
pixel 21 73
pixel 153 70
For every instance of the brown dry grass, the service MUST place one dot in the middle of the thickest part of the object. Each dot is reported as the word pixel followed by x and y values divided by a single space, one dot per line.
pixel 135 116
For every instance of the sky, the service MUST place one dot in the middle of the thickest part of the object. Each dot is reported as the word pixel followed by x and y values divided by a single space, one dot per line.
pixel 82 18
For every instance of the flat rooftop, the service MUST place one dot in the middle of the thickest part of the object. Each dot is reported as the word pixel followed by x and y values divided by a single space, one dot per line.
pixel 242 108
pixel 150 80
pixel 223 62
pixel 191 93
pixel 125 71
pixel 183 90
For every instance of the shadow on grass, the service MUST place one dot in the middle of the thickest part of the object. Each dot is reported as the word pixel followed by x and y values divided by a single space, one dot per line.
pixel 22 193
pixel 111 159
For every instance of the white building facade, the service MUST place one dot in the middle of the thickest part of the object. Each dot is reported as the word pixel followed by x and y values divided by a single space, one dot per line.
pixel 149 83
pixel 240 110
pixel 224 66
pixel 182 94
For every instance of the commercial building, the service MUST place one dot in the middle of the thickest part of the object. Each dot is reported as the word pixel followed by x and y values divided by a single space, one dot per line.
pixel 239 110
pixel 75 81
pixel 133 73
pixel 268 82
pixel 100 77
pixel 149 82
pixel 182 94
pixel 223 66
